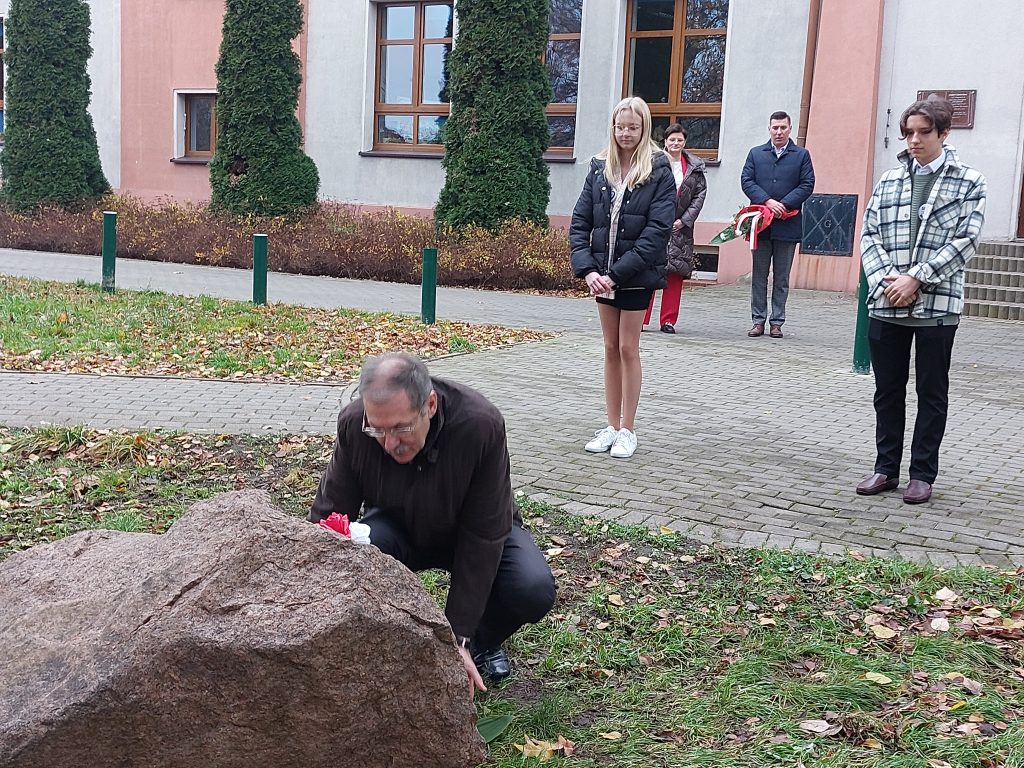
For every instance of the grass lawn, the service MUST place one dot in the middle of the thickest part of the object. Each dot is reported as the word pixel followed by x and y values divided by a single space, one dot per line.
pixel 659 652
pixel 48 326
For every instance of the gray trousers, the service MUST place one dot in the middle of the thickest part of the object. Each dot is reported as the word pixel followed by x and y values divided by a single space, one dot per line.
pixel 778 255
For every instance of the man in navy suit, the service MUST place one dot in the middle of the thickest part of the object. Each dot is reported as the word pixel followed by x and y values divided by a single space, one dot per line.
pixel 780 176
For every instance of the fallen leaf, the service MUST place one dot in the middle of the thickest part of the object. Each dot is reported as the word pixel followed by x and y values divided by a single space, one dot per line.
pixel 940 624
pixel 939 764
pixel 971 685
pixel 610 735
pixel 882 632
pixel 945 595
pixel 765 621
pixel 545 750
pixel 665 530
pixel 871 744
pixel 877 677
pixel 820 727
pixel 616 600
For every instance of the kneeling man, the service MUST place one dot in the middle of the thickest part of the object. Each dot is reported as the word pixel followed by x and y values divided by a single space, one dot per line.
pixel 428 460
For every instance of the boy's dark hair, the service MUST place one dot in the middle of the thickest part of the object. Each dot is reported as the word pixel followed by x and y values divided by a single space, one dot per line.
pixel 938 112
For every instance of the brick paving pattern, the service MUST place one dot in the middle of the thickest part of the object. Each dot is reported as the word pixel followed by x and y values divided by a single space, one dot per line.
pixel 742 441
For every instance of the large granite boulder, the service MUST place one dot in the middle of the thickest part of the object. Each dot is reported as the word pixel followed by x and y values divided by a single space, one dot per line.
pixel 242 637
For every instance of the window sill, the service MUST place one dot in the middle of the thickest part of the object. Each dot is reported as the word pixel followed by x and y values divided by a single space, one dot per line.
pixel 548 158
pixel 191 160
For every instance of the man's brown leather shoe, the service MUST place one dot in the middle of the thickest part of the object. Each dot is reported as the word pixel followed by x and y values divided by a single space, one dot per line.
pixel 776 332
pixel 918 492
pixel 757 330
pixel 876 484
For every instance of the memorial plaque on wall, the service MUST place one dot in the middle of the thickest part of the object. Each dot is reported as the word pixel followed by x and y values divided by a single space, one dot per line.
pixel 828 225
pixel 963 105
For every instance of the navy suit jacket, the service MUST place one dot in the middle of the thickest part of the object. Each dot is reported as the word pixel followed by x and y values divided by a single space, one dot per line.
pixel 788 178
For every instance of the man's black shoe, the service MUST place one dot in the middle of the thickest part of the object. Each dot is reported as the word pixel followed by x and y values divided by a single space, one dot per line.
pixel 493 664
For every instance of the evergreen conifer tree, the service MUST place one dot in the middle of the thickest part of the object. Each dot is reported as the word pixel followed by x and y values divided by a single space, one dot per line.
pixel 258 166
pixel 50 153
pixel 497 133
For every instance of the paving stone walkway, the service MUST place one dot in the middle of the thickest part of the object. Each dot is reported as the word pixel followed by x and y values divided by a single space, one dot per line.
pixel 748 441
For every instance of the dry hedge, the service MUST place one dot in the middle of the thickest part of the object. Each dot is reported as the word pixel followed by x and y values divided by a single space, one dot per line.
pixel 332 240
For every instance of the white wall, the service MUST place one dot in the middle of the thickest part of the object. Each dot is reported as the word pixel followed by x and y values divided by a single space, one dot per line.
pixel 979 48
pixel 339 114
pixel 764 67
pixel 105 74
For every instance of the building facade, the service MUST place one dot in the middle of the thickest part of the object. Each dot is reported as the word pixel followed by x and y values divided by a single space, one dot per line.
pixel 373 96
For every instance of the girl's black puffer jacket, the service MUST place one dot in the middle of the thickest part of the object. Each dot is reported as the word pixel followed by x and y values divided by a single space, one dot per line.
pixel 645 220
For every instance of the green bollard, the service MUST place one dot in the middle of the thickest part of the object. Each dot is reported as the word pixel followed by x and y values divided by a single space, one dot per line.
pixel 259 269
pixel 109 249
pixel 428 303
pixel 861 353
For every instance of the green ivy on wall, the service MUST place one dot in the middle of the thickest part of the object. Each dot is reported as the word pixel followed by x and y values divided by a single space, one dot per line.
pixel 50 152
pixel 258 166
pixel 497 134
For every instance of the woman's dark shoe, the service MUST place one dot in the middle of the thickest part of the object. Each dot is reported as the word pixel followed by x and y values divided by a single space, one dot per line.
pixel 493 665
pixel 666 328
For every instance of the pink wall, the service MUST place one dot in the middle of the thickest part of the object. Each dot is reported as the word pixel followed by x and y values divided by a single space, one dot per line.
pixel 841 128
pixel 181 55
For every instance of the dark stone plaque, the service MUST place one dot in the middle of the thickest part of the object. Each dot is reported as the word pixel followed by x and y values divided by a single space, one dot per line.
pixel 828 224
pixel 963 105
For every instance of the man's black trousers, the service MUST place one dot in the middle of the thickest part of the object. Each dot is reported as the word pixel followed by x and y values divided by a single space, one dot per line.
pixel 890 359
pixel 523 590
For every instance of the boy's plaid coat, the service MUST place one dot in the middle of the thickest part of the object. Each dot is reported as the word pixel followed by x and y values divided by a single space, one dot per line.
pixel 946 238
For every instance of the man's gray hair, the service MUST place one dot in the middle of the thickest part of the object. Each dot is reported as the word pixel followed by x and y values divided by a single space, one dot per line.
pixel 384 376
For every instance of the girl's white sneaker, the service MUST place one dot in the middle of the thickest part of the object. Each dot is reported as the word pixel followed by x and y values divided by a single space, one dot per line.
pixel 624 445
pixel 603 440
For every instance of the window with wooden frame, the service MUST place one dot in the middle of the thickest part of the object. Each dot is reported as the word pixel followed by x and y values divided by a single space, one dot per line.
pixel 414 40
pixel 562 60
pixel 200 124
pixel 675 61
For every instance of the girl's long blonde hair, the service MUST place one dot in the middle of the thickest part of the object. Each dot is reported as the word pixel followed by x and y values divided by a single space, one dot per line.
pixel 643 155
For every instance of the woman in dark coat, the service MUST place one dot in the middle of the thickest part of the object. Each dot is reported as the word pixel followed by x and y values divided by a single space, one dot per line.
pixel 691 187
pixel 618 234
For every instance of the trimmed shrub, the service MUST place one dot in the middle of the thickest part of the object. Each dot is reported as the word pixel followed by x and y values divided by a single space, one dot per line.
pixel 258 166
pixel 50 152
pixel 331 239
pixel 497 133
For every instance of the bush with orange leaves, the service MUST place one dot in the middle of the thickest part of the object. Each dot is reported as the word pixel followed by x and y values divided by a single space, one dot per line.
pixel 333 239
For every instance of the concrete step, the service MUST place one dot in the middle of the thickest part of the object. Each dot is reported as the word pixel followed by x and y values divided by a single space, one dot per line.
pixel 1000 279
pixel 994 294
pixel 1001 248
pixel 992 263
pixel 999 310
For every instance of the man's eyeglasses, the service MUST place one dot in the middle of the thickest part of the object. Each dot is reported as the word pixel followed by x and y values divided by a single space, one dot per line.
pixel 393 431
